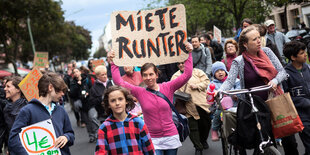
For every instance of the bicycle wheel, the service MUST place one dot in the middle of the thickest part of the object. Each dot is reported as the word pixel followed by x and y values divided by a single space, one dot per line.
pixel 225 146
pixel 270 150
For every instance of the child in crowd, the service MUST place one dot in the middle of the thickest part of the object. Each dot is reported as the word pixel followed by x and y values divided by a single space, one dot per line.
pixel 220 74
pixel 122 132
pixel 298 85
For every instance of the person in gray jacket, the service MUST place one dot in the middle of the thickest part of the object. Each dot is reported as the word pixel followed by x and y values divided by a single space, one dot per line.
pixel 201 57
pixel 277 38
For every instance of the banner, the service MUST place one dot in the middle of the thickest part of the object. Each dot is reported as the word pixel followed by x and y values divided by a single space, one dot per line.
pixel 29 85
pixel 157 36
pixel 40 59
pixel 217 33
pixel 39 138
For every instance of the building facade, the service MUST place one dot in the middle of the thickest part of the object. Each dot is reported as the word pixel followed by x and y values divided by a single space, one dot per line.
pixel 295 14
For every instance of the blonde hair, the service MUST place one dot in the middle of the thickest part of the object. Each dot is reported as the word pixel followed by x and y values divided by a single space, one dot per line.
pixel 244 39
pixel 100 69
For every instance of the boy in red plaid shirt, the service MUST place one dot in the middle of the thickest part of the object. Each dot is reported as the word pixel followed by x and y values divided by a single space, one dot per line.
pixel 122 132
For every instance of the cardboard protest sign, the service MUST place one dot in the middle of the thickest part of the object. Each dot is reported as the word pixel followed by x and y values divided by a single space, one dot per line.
pixel 29 85
pixel 156 36
pixel 40 59
pixel 217 33
pixel 97 63
pixel 39 138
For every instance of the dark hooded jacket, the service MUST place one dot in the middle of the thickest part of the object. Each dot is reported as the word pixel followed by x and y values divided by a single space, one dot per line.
pixel 33 113
pixel 298 85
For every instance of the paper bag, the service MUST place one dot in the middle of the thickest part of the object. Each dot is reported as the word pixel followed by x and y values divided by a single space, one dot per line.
pixel 284 117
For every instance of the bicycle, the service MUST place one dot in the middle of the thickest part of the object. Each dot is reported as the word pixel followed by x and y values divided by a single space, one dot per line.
pixel 265 147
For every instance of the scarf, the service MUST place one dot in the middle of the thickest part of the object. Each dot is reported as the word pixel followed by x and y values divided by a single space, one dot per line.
pixel 223 80
pixel 263 67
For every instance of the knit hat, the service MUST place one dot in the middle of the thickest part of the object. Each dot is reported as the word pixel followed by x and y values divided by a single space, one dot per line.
pixel 218 65
pixel 269 22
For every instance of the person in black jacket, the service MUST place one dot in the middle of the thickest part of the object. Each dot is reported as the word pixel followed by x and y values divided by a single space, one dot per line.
pixel 96 112
pixel 217 48
pixel 79 89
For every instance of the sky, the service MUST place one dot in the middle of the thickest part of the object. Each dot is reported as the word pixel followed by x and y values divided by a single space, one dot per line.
pixel 94 15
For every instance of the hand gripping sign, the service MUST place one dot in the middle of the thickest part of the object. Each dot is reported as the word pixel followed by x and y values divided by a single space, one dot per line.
pixel 156 36
pixel 39 138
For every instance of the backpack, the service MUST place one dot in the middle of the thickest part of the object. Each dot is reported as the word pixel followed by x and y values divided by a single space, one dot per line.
pixel 246 134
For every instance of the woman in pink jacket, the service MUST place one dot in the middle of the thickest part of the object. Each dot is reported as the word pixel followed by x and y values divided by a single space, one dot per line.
pixel 156 111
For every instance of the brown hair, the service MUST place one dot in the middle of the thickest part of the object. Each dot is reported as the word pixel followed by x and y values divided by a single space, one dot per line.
pixel 246 20
pixel 54 79
pixel 231 41
pixel 128 97
pixel 84 70
pixel 15 81
pixel 262 29
pixel 146 66
pixel 243 39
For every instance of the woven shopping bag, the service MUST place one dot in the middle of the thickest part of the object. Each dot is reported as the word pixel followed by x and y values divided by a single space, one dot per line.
pixel 284 117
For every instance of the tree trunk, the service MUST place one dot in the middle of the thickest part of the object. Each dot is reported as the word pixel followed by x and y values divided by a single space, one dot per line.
pixel 285 17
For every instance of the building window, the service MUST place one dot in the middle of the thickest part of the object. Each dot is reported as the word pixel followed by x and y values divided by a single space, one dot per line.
pixel 296 17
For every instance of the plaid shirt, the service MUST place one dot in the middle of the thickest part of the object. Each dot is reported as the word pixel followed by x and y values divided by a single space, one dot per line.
pixel 129 137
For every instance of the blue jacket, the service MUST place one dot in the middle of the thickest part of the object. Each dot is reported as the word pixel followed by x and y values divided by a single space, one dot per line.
pixel 298 85
pixel 35 112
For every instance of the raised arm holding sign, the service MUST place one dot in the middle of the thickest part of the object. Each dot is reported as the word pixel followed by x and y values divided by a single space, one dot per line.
pixel 153 112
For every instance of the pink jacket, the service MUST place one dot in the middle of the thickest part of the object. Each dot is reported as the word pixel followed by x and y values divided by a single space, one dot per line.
pixel 156 111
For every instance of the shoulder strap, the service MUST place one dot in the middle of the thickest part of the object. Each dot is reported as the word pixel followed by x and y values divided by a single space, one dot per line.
pixel 198 60
pixel 158 93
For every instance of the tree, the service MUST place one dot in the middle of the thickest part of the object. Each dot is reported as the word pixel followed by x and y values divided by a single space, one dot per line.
pixel 50 32
pixel 101 52
pixel 225 14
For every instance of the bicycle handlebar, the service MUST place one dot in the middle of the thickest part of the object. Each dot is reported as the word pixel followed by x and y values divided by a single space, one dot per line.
pixel 249 90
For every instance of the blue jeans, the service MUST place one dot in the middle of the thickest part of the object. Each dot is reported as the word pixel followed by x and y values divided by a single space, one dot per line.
pixel 166 152
pixel 216 123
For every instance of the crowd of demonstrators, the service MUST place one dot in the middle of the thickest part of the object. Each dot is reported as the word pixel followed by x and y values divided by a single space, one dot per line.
pixel 156 111
pixel 122 132
pixel 277 38
pixel 220 75
pixel 298 85
pixel 197 111
pixel 201 56
pixel 244 24
pixel 230 48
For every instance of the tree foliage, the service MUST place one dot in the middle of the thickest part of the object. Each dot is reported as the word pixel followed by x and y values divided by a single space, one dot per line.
pixel 225 14
pixel 50 31
pixel 101 52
